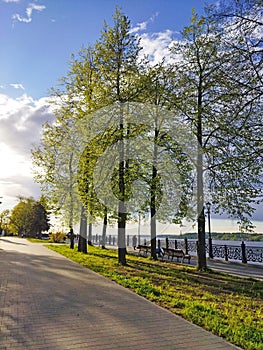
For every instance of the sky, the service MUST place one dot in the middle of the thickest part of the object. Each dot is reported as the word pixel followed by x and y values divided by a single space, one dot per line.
pixel 37 38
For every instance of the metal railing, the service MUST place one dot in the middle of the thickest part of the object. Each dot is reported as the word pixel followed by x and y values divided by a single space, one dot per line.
pixel 242 252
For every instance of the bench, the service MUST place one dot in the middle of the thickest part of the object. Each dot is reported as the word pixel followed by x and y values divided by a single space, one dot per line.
pixel 144 248
pixel 176 253
pixel 147 249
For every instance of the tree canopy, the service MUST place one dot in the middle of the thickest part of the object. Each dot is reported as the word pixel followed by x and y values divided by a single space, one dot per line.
pixel 29 218
pixel 132 137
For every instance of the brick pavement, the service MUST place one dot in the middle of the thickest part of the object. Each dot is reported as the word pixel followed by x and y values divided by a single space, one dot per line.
pixel 48 302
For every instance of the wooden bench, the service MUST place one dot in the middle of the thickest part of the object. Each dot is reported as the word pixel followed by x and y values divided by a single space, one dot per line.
pixel 176 253
pixel 145 249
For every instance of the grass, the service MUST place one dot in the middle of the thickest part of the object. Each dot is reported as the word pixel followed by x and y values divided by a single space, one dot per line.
pixel 227 306
pixel 37 240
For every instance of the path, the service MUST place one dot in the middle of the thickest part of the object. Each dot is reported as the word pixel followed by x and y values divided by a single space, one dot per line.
pixel 48 302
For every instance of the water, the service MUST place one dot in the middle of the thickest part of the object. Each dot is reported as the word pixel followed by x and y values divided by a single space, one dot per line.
pixel 238 243
pixel 258 255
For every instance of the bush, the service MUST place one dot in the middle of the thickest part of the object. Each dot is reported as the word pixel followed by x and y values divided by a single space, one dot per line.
pixel 57 237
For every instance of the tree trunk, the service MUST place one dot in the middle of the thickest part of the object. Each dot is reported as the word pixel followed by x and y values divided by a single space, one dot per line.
pixel 90 230
pixel 104 229
pixel 121 206
pixel 153 213
pixel 201 253
pixel 82 244
pixel 90 234
pixel 153 191
pixel 121 234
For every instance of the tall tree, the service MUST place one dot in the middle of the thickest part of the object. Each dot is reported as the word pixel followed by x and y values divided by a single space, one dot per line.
pixel 56 158
pixel 20 220
pixel 216 109
pixel 117 53
pixel 39 221
pixel 169 196
pixel 242 25
pixel 29 218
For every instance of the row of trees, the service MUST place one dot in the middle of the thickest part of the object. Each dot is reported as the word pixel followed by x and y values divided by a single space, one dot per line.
pixel 28 218
pixel 160 140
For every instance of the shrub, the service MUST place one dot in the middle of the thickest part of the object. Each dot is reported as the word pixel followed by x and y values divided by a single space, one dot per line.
pixel 57 237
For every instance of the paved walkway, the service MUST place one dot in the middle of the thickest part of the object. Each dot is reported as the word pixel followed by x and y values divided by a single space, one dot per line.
pixel 49 302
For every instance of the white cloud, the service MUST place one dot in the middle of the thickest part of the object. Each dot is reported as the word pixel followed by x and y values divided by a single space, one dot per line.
pixel 29 11
pixel 143 25
pixel 17 86
pixel 157 45
pixel 7 1
pixel 19 164
pixel 139 27
pixel 21 121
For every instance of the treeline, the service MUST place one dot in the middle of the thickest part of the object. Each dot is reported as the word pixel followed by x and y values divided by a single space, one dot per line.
pixel 133 139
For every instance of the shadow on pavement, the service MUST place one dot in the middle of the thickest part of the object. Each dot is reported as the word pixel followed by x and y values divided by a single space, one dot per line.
pixel 8 241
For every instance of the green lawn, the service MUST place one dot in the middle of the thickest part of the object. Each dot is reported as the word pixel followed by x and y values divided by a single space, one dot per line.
pixel 37 240
pixel 228 306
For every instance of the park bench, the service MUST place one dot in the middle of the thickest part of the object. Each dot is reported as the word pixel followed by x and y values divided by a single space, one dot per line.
pixel 176 253
pixel 145 249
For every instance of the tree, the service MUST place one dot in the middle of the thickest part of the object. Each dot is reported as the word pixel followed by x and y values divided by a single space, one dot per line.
pixel 56 158
pixel 117 61
pixel 217 110
pixel 39 220
pixel 170 179
pixel 242 24
pixel 20 217
pixel 4 221
pixel 29 218
pixel 101 129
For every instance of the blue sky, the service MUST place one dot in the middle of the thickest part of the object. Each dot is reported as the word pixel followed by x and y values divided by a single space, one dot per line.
pixel 37 38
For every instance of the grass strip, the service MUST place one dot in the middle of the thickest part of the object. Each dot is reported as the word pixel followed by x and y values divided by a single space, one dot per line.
pixel 228 306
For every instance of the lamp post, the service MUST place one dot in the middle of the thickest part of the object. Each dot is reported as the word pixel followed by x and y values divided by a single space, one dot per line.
pixel 210 248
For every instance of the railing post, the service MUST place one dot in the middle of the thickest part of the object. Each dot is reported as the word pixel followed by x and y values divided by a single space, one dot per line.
pixel 186 245
pixel 109 239
pixel 159 247
pixel 210 247
pixel 226 254
pixel 167 242
pixel 243 250
pixel 113 240
pixel 175 244
pixel 128 240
